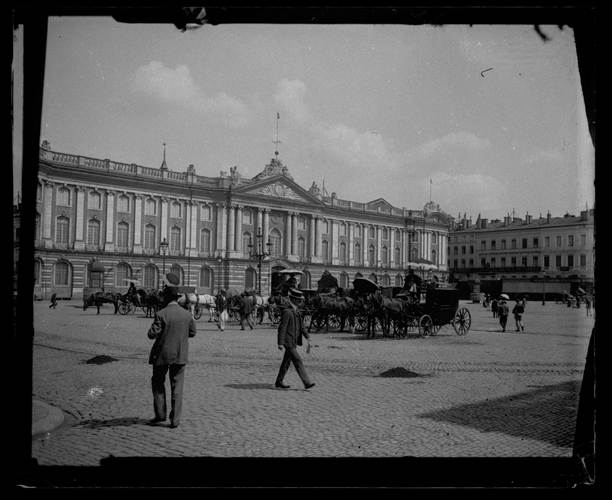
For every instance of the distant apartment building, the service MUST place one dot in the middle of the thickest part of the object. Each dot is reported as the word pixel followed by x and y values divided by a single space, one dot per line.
pixel 531 255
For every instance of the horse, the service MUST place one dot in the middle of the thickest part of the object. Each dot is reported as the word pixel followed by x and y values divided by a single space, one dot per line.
pixel 99 298
pixel 194 302
pixel 324 306
pixel 387 309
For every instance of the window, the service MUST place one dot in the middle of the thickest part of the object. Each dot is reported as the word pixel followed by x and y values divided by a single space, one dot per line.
pixel 471 249
pixel 37 226
pixel 558 241
pixel 536 243
pixel 398 280
pixel 455 263
pixel 123 203
pixel 492 244
pixel 178 271
pixel 344 280
pixel 583 240
pixel 276 240
pixel 385 256
pixel 357 253
pixel 175 239
pixel 205 240
pixel 205 212
pixel 150 206
pixel 547 241
pixel 398 235
pixel 63 197
pixel 503 244
pixel 433 238
pixel 513 261
pixel 471 262
pixel 513 244
pixel 247 216
pixel 302 247
pixel 357 230
pixel 397 256
pixel 463 250
pixel 371 256
pixel 557 261
pixel 94 200
pixel 246 240
pixel 150 277
pixel 524 261
pixel 372 232
pixel 582 260
pixel 385 280
pixel 483 263
pixel 122 234
pixel 122 274
pixel 175 210
pixel 546 261
pixel 483 245
pixel 434 256
pixel 570 240
pixel 493 263
pixel 302 222
pixel 456 251
pixel 385 234
pixel 37 271
pixel 570 261
pixel 326 226
pixel 503 262
pixel 93 232
pixel 524 243
pixel 62 230
pixel 325 250
pixel 206 279
pixel 342 229
pixel 62 271
pixel 249 278
pixel 149 237
pixel 534 260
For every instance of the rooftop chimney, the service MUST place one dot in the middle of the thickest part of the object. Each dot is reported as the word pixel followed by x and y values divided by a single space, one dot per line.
pixel 528 218
pixel 548 217
pixel 483 223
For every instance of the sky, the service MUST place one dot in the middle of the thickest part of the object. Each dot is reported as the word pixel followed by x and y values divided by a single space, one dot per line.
pixel 485 119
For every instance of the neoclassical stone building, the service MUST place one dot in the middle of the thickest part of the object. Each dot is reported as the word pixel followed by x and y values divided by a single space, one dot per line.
pixel 101 222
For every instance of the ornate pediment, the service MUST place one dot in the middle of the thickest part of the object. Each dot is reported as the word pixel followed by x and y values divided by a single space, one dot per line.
pixel 278 190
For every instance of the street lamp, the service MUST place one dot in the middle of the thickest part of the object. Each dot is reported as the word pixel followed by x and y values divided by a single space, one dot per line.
pixel 257 252
pixel 163 246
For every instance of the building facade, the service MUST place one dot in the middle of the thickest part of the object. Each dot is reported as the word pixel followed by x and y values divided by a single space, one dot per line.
pixel 530 254
pixel 101 223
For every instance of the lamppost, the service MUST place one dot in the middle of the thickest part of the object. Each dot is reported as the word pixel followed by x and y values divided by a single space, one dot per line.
pixel 219 263
pixel 257 252
pixel 163 246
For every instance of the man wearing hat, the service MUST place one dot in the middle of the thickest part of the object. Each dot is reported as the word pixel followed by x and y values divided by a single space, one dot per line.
pixel 171 330
pixel 290 332
pixel 502 312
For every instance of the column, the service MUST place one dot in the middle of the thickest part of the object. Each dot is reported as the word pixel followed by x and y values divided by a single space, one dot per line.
pixel 319 239
pixel 392 245
pixel 351 244
pixel 79 244
pixel 266 226
pixel 403 249
pixel 311 240
pixel 294 220
pixel 364 246
pixel 378 245
pixel 221 229
pixel 288 233
pixel 47 215
pixel 110 224
pixel 231 229
pixel 137 225
pixel 193 230
pixel 164 220
pixel 238 236
pixel 259 228
pixel 335 246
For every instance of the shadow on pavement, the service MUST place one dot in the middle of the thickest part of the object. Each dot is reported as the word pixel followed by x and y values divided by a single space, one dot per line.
pixel 112 422
pixel 545 414
pixel 252 386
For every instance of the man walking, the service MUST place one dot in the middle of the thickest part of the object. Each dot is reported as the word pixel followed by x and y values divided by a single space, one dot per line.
pixel 518 311
pixel 290 332
pixel 171 330
pixel 53 304
pixel 246 308
pixel 502 312
pixel 221 306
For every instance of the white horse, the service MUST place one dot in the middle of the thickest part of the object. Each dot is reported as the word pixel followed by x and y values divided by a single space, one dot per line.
pixel 202 301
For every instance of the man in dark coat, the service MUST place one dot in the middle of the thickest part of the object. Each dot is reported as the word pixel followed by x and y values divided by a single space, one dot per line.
pixel 290 332
pixel 502 313
pixel 246 308
pixel 171 330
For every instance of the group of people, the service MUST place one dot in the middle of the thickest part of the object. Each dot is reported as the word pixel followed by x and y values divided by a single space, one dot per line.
pixel 500 310
pixel 173 326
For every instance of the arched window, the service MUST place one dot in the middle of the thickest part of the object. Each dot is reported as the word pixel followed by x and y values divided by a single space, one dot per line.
pixel 306 280
pixel 434 256
pixel 398 280
pixel 94 200
pixel 301 247
pixel 175 239
pixel 150 277
pixel 150 238
pixel 357 253
pixel 397 256
pixel 205 240
pixel 344 280
pixel 205 212
pixel 62 230
pixel 276 240
pixel 246 241
pixel 385 280
pixel 150 206
pixel 385 255
pixel 247 217
pixel 371 256
pixel 63 197
pixel 93 232
pixel 357 230
pixel 175 210
pixel 37 271
pixel 433 238
pixel 62 273
pixel 398 235
pixel 342 252
pixel 123 229
pixel 415 254
pixel 250 278
pixel 343 229
pixel 122 274
pixel 123 203
pixel 178 270
pixel 385 234
pixel 325 250
pixel 206 280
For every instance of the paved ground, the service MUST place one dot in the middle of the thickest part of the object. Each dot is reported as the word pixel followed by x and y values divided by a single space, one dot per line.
pixel 486 394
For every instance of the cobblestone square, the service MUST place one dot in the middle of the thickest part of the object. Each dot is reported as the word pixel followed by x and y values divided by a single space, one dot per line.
pixel 488 394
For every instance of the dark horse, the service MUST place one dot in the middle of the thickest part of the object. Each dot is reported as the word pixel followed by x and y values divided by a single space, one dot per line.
pixel 99 298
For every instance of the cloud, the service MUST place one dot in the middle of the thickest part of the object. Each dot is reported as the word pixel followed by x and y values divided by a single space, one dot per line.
pixel 463 140
pixel 177 87
pixel 290 95
pixel 545 156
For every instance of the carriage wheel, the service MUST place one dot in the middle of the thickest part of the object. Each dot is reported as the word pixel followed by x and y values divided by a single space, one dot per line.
pixel 276 316
pixel 124 308
pixel 399 328
pixel 435 329
pixel 333 321
pixel 462 321
pixel 197 312
pixel 361 323
pixel 307 319
pixel 425 325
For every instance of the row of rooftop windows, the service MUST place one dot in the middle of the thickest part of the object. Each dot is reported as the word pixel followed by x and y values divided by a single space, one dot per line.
pixel 524 262
pixel 524 243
